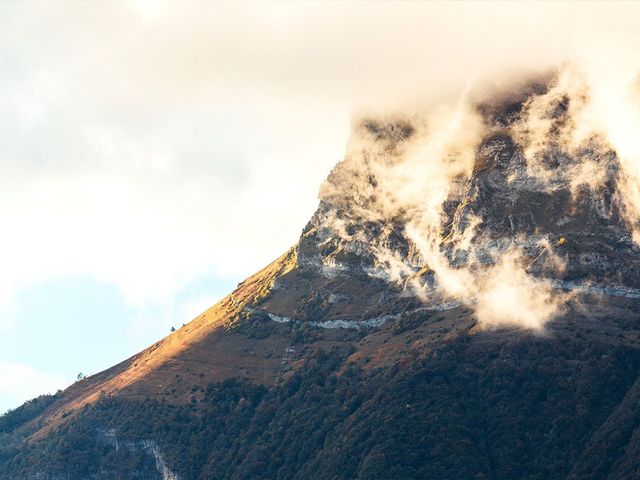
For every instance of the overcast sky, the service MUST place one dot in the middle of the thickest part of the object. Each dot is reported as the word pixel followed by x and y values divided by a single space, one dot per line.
pixel 153 154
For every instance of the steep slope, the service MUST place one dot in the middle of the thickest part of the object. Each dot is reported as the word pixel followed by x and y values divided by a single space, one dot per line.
pixel 463 304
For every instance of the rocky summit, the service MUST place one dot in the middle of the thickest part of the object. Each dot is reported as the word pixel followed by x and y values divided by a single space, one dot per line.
pixel 463 304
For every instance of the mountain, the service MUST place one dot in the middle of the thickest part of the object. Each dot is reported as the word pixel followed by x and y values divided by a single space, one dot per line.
pixel 463 304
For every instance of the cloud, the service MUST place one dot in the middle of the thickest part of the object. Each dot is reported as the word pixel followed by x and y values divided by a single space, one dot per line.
pixel 135 187
pixel 19 383
pixel 509 296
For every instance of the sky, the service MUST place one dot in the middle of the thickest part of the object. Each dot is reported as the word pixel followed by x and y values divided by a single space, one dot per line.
pixel 154 153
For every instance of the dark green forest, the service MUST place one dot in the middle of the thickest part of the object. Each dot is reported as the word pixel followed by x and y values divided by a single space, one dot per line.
pixel 527 408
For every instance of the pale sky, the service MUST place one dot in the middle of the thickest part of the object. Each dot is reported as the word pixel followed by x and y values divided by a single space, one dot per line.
pixel 153 154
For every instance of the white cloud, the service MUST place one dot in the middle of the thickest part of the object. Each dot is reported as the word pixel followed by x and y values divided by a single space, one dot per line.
pixel 104 177
pixel 19 383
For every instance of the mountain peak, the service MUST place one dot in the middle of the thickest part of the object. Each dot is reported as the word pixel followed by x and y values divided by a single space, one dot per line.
pixel 492 195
